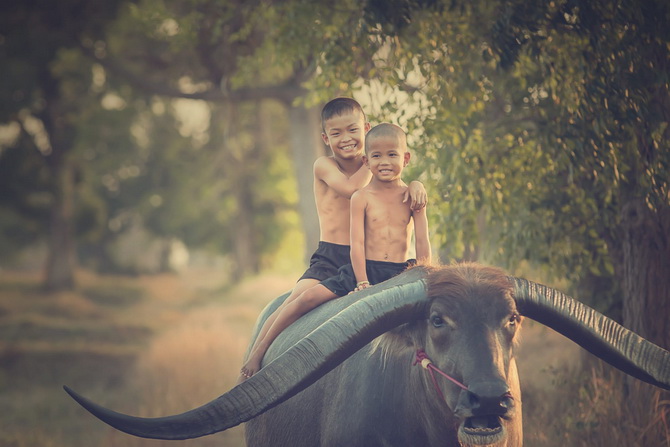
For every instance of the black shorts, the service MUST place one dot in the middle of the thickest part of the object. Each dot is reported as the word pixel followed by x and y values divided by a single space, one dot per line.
pixel 378 271
pixel 326 261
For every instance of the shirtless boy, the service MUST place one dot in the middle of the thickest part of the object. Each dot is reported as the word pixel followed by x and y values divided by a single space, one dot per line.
pixel 381 222
pixel 336 178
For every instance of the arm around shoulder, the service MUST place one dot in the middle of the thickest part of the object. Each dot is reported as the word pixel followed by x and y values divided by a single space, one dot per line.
pixel 417 195
pixel 326 170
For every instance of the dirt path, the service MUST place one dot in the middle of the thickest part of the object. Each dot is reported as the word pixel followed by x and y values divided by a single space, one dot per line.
pixel 542 354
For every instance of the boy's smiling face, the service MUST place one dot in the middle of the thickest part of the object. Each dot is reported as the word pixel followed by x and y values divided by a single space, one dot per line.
pixel 345 135
pixel 386 157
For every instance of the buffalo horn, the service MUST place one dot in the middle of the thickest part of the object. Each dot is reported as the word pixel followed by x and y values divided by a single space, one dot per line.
pixel 372 312
pixel 596 333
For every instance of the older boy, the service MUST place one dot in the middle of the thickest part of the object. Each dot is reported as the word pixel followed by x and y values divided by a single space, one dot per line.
pixel 336 178
pixel 381 230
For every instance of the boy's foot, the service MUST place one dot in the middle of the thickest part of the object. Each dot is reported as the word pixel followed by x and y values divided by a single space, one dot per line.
pixel 249 369
pixel 244 375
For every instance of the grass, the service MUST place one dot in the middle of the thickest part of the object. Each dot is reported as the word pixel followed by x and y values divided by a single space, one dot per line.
pixel 108 295
pixel 595 408
pixel 570 398
pixel 159 345
pixel 147 346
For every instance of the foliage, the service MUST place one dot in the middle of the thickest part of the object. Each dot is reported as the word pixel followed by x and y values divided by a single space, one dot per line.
pixel 537 123
pixel 534 125
pixel 134 154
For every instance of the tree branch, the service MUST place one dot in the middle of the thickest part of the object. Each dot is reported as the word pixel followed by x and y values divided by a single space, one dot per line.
pixel 285 92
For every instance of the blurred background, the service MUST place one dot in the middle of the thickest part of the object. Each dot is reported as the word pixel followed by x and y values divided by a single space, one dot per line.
pixel 156 187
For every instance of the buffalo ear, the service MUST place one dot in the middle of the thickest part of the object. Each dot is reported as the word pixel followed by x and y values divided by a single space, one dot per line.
pixel 401 340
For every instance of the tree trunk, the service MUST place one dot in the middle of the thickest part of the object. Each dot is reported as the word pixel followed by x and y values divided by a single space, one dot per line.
pixel 233 160
pixel 61 258
pixel 646 307
pixel 646 283
pixel 247 258
pixel 306 146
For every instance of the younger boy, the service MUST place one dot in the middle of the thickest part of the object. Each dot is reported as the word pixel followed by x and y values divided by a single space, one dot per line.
pixel 381 230
pixel 336 178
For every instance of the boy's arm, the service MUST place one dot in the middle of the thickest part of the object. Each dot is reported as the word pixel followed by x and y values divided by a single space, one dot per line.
pixel 357 230
pixel 421 237
pixel 326 170
pixel 416 194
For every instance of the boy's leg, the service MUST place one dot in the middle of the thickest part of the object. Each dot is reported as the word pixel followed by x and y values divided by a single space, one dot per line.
pixel 300 287
pixel 306 301
pixel 324 263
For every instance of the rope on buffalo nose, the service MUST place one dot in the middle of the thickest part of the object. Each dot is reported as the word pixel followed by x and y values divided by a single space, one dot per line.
pixel 427 364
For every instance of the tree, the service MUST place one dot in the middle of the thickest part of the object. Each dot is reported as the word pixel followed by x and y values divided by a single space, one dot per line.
pixel 221 53
pixel 124 177
pixel 34 93
pixel 552 120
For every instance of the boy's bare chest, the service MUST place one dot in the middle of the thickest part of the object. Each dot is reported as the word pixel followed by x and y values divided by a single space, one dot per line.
pixel 330 201
pixel 385 210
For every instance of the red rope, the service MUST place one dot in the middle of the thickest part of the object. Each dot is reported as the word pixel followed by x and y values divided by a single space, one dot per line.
pixel 423 359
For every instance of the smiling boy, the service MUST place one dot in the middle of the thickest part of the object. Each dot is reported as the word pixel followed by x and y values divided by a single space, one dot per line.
pixel 336 178
pixel 381 222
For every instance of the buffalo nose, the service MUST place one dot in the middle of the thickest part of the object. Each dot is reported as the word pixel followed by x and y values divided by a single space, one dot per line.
pixel 485 400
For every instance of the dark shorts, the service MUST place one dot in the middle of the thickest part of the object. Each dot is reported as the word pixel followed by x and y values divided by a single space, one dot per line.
pixel 326 261
pixel 378 271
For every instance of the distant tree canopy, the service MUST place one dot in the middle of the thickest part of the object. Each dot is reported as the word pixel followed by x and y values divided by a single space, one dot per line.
pixel 97 149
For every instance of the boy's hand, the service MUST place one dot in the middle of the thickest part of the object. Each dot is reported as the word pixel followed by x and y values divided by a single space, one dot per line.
pixel 416 194
pixel 360 286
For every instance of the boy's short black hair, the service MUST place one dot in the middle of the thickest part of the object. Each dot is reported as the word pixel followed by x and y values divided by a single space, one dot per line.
pixel 338 106
pixel 386 130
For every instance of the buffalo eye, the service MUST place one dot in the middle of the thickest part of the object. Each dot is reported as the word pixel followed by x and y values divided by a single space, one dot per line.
pixel 437 321
pixel 514 319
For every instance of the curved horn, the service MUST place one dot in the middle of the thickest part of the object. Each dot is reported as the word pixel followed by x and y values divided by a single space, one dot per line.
pixel 357 319
pixel 596 333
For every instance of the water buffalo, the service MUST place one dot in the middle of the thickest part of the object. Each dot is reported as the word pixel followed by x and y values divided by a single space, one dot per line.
pixel 346 373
